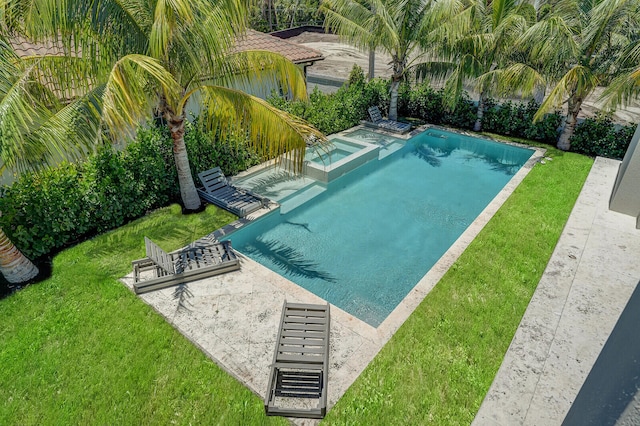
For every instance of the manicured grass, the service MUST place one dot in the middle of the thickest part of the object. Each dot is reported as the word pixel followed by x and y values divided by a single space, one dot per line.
pixel 438 367
pixel 79 348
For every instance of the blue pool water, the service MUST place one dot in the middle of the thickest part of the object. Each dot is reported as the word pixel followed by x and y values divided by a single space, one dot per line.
pixel 367 240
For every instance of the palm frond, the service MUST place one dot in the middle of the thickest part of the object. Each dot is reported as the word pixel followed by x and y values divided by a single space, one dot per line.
pixel 622 90
pixel 126 96
pixel 517 77
pixel 605 19
pixel 272 132
pixel 550 41
pixel 245 69
pixel 579 81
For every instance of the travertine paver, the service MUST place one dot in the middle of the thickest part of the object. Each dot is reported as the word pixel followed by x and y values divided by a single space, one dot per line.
pixel 234 317
pixel 591 275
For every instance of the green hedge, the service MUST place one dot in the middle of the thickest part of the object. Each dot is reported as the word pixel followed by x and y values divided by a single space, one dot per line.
pixel 516 119
pixel 331 113
pixel 600 136
pixel 47 210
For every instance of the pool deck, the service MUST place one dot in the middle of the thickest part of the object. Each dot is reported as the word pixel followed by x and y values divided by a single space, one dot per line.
pixel 234 318
pixel 591 276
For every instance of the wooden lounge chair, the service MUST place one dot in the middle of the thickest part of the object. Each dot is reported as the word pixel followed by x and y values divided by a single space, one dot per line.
pixel 384 124
pixel 218 191
pixel 300 363
pixel 199 260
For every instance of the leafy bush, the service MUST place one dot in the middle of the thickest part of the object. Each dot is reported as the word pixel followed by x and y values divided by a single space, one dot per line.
pixel 43 211
pixel 516 119
pixel 50 209
pixel 229 152
pixel 598 136
pixel 331 113
pixel 464 115
pixel 422 101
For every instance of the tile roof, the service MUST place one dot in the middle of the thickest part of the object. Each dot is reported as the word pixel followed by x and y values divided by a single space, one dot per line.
pixel 25 48
pixel 254 40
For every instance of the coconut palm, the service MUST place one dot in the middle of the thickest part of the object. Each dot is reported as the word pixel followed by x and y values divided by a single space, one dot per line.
pixel 575 46
pixel 401 28
pixel 626 86
pixel 126 59
pixel 478 41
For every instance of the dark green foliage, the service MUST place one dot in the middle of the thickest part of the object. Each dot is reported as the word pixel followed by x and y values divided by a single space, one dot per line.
pixel 50 209
pixel 422 101
pixel 43 211
pixel 345 108
pixel 231 152
pixel 464 115
pixel 516 119
pixel 599 136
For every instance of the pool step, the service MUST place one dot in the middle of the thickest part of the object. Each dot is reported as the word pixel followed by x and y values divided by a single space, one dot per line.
pixel 299 199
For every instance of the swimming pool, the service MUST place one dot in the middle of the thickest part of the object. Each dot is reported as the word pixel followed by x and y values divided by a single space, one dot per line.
pixel 370 235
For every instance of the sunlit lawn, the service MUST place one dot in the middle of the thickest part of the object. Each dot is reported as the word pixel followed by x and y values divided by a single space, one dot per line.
pixel 79 348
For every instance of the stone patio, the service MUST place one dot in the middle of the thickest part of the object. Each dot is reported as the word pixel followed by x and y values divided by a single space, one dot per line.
pixel 234 317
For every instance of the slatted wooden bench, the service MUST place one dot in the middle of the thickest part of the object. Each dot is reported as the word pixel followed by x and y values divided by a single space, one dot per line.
pixel 200 260
pixel 217 190
pixel 300 362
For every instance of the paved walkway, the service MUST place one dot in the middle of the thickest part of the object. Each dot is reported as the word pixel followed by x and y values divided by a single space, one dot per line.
pixel 591 275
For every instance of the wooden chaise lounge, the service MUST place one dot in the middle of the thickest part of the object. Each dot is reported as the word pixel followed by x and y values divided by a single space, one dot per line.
pixel 384 124
pixel 217 190
pixel 300 363
pixel 201 259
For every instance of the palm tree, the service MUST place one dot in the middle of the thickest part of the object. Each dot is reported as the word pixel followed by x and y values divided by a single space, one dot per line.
pixel 576 46
pixel 478 41
pixel 125 59
pixel 401 28
pixel 626 86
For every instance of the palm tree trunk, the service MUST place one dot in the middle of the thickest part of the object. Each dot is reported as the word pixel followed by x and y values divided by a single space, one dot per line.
pixel 393 102
pixel 477 127
pixel 188 192
pixel 372 63
pixel 573 109
pixel 14 265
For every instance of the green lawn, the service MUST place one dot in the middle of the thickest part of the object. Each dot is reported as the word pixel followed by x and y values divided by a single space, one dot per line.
pixel 79 348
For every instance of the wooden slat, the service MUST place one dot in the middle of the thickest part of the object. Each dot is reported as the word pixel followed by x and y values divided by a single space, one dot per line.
pixel 307 327
pixel 299 349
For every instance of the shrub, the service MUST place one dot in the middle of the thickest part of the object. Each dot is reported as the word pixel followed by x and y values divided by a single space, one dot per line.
pixel 207 150
pixel 599 136
pixel 423 102
pixel 464 115
pixel 516 119
pixel 331 113
pixel 47 210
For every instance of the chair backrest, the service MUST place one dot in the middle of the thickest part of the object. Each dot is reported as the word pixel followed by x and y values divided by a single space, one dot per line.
pixel 213 179
pixel 159 256
pixel 374 113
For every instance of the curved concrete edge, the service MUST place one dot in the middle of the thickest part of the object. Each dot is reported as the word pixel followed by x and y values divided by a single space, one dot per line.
pixel 589 279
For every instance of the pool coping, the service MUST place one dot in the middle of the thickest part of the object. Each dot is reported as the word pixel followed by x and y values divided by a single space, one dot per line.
pixel 233 318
